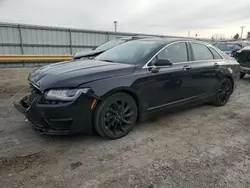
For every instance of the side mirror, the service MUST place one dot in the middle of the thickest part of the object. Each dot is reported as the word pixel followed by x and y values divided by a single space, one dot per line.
pixel 237 55
pixel 234 52
pixel 163 62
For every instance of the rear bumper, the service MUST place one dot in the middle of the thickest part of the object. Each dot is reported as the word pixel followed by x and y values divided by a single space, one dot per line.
pixel 59 119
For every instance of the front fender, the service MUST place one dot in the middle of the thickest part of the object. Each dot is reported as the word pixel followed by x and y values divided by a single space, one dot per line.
pixel 130 84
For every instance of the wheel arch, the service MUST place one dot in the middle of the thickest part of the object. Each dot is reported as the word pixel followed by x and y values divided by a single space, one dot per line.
pixel 130 92
pixel 231 79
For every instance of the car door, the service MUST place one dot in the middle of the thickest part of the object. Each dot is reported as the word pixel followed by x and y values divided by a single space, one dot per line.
pixel 205 69
pixel 171 84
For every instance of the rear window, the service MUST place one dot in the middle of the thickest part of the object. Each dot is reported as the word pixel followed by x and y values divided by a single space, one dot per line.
pixel 201 52
pixel 215 53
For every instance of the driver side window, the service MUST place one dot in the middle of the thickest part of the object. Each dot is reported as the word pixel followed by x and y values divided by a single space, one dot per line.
pixel 175 53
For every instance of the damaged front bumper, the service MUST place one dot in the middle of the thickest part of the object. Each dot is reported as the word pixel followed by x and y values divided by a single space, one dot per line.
pixel 58 119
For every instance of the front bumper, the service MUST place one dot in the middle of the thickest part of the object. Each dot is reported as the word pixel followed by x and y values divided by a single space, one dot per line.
pixel 58 119
pixel 245 69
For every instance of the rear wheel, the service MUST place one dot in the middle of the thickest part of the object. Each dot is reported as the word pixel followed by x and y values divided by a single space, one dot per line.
pixel 224 92
pixel 242 74
pixel 115 116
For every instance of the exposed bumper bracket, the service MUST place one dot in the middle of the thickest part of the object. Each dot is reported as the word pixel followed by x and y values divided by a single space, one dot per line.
pixel 22 106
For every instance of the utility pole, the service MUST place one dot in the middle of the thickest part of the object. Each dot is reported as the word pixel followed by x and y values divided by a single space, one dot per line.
pixel 242 28
pixel 115 25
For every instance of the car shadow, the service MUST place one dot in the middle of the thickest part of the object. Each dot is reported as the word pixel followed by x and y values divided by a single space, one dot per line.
pixel 94 137
pixel 247 77
pixel 169 113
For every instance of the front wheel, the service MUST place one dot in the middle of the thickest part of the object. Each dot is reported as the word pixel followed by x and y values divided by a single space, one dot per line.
pixel 115 116
pixel 223 93
pixel 242 74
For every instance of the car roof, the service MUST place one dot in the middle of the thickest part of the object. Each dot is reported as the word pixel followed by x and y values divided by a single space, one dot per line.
pixel 168 40
pixel 128 38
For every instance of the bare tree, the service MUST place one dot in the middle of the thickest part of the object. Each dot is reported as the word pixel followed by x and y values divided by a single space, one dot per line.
pixel 218 36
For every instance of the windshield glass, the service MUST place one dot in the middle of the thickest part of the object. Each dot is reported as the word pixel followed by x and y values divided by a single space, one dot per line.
pixel 224 46
pixel 110 44
pixel 129 52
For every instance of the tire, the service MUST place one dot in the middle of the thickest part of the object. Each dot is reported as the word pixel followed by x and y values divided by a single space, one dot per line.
pixel 115 116
pixel 223 93
pixel 242 74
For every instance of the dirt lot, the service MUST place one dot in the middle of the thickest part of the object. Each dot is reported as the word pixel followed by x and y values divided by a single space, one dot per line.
pixel 13 80
pixel 204 146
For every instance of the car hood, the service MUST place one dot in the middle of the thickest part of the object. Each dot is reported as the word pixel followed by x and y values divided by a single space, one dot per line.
pixel 71 74
pixel 79 55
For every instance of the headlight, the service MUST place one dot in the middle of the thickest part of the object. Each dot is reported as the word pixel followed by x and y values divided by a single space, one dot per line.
pixel 65 94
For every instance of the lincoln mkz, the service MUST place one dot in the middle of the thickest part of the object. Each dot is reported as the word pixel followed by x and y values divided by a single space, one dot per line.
pixel 126 84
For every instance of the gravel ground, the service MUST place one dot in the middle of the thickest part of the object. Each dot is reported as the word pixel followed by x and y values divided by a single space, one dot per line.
pixel 205 146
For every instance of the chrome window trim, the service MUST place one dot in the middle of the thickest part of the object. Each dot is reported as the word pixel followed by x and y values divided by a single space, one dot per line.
pixel 211 46
pixel 207 45
pixel 168 66
pixel 184 63
pixel 146 65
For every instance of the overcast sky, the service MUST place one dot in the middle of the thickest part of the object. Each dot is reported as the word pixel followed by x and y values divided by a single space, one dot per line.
pixel 170 17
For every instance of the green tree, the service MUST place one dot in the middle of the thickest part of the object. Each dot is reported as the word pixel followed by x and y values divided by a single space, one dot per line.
pixel 236 36
pixel 248 34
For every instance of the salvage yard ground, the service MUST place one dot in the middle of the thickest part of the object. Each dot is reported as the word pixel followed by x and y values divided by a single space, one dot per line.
pixel 205 146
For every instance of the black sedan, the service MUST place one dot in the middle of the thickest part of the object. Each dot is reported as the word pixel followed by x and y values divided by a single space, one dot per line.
pixel 243 57
pixel 127 83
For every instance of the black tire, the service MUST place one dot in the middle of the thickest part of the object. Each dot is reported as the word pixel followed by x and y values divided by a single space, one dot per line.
pixel 115 116
pixel 223 93
pixel 242 74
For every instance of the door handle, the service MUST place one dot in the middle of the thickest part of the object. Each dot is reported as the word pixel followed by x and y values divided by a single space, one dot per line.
pixel 187 67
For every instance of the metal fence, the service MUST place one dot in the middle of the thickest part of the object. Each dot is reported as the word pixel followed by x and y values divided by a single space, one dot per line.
pixel 30 39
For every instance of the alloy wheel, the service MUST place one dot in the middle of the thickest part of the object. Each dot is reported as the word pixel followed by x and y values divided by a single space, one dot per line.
pixel 225 91
pixel 118 117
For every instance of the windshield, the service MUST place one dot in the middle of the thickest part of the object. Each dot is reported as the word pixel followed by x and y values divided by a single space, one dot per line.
pixel 109 44
pixel 129 52
pixel 224 46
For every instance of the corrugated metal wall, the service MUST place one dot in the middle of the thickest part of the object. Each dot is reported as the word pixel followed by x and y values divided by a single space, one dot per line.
pixel 27 39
